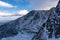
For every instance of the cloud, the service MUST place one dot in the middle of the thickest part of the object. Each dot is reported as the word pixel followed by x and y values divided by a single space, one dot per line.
pixel 21 12
pixel 42 4
pixel 4 4
pixel 6 17
pixel 17 13
pixel 4 14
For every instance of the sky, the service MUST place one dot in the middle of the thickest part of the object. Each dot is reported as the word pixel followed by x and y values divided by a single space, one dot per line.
pixel 22 7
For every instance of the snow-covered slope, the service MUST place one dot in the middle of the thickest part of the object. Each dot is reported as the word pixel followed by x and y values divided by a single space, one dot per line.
pixel 36 25
pixel 27 25
pixel 50 29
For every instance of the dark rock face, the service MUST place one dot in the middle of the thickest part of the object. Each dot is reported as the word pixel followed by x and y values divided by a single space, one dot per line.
pixel 52 25
pixel 8 33
pixel 58 8
pixel 8 30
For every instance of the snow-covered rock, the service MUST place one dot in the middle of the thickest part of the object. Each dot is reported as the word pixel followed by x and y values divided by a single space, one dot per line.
pixel 36 25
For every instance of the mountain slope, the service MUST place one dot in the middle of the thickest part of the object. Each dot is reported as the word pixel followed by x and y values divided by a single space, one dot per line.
pixel 34 19
pixel 36 25
pixel 51 29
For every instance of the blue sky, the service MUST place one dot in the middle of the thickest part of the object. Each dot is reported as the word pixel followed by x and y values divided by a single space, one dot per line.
pixel 19 5
pixel 12 6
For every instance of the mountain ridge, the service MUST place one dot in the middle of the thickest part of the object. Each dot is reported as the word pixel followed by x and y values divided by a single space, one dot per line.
pixel 36 23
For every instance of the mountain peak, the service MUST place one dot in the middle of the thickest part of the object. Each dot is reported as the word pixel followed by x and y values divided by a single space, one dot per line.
pixel 58 5
pixel 58 8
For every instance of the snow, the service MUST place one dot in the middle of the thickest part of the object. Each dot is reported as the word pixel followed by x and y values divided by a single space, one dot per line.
pixel 20 36
pixel 54 39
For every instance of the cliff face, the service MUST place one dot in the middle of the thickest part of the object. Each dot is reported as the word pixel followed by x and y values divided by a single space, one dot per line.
pixel 51 28
pixel 58 8
pixel 36 25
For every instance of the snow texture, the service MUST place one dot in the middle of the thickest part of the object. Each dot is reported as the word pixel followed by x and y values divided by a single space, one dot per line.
pixel 36 25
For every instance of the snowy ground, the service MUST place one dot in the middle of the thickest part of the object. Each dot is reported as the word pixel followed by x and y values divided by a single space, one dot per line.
pixel 26 36
pixel 20 36
pixel 54 39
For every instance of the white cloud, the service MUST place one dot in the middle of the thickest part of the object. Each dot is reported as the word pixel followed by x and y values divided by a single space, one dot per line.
pixel 21 12
pixel 17 13
pixel 4 14
pixel 4 4
pixel 42 4
pixel 6 17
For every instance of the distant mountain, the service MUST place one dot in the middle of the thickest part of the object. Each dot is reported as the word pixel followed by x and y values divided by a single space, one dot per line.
pixel 36 25
pixel 0 23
